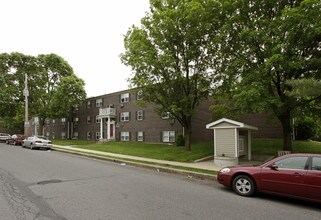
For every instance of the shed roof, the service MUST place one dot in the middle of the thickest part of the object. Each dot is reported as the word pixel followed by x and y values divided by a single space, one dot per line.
pixel 232 124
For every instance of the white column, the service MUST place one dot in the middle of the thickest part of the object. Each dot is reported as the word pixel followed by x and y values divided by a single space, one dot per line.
pixel 101 129
pixel 108 128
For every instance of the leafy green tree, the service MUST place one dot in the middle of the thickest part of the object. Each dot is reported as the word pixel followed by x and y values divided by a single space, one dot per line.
pixel 169 56
pixel 47 77
pixel 265 45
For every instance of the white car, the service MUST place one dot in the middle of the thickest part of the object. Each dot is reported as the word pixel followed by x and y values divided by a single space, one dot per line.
pixel 38 142
pixel 4 137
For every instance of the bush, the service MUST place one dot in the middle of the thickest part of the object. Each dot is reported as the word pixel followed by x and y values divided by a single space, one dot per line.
pixel 306 129
pixel 180 140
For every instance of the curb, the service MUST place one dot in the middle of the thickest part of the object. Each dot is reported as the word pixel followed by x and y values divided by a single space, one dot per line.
pixel 142 164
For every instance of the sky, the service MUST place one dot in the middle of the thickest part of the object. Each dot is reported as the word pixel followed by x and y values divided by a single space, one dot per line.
pixel 88 34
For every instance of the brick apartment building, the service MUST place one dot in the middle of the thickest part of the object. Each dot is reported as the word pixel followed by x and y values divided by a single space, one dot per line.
pixel 117 117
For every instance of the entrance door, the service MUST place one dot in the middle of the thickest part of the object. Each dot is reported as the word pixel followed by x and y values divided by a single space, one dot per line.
pixel 111 131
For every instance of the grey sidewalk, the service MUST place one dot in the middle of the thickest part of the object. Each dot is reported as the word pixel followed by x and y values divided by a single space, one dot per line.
pixel 158 164
pixel 206 165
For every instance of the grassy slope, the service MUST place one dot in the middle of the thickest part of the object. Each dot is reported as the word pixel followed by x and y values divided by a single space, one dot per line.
pixel 199 150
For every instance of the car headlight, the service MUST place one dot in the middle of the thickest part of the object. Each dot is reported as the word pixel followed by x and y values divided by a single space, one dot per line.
pixel 225 170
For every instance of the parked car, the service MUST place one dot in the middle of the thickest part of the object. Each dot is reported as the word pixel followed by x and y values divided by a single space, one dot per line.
pixel 293 175
pixel 16 139
pixel 4 137
pixel 37 142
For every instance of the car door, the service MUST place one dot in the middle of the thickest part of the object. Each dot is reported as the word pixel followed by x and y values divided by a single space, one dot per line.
pixel 313 179
pixel 287 176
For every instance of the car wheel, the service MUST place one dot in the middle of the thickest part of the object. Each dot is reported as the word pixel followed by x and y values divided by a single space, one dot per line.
pixel 244 185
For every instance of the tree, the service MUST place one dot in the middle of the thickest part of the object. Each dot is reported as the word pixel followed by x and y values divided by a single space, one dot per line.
pixel 169 56
pixel 265 44
pixel 47 78
pixel 53 74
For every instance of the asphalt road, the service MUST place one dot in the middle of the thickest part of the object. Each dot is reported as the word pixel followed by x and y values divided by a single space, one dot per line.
pixel 38 184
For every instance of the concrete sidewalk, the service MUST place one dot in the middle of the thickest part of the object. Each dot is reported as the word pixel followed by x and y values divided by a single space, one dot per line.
pixel 205 165
pixel 160 165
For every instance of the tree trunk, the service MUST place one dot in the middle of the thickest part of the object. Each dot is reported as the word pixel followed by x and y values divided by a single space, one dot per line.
pixel 188 134
pixel 285 120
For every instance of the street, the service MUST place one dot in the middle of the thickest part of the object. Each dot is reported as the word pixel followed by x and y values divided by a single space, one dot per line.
pixel 39 184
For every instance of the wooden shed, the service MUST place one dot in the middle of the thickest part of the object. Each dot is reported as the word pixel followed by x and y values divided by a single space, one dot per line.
pixel 232 141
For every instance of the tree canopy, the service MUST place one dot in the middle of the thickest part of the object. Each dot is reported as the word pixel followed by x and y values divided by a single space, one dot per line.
pixel 266 44
pixel 47 78
pixel 169 56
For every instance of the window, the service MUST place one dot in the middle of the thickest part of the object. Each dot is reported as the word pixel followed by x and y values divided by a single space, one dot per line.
pixel 88 135
pixel 97 135
pixel 88 104
pixel 75 108
pixel 88 119
pixel 124 116
pixel 140 115
pixel 166 115
pixel 139 95
pixel 47 122
pixel 53 121
pixel 75 135
pixel 140 136
pixel 168 136
pixel 316 163
pixel 99 102
pixel 292 163
pixel 76 120
pixel 97 119
pixel 63 135
pixel 124 136
pixel 63 121
pixel 124 98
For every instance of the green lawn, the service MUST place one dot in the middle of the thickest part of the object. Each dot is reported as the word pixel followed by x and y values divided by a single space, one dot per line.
pixel 148 150
pixel 199 150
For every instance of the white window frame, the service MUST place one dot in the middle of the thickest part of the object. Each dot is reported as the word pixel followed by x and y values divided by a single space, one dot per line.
pixel 124 116
pixel 99 102
pixel 97 135
pixel 88 119
pixel 63 120
pixel 168 136
pixel 124 136
pixel 166 115
pixel 76 135
pixel 139 95
pixel 88 135
pixel 97 119
pixel 89 104
pixel 140 136
pixel 124 97
pixel 63 135
pixel 140 115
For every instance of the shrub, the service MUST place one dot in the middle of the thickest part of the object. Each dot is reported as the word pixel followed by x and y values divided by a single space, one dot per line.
pixel 179 140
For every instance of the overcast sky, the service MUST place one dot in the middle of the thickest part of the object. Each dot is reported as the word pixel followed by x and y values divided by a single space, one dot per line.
pixel 88 34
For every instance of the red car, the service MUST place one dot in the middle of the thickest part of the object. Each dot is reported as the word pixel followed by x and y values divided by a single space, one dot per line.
pixel 16 139
pixel 293 175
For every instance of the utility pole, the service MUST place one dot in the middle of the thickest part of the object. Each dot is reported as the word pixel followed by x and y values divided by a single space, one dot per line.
pixel 26 94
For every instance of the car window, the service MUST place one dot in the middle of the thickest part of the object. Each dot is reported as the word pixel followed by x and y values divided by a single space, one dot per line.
pixel 292 163
pixel 316 163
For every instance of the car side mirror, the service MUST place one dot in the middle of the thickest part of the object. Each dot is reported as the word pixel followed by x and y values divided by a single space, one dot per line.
pixel 273 166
